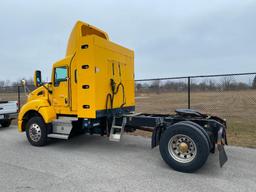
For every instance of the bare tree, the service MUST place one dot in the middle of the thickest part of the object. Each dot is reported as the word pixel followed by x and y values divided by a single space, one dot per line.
pixel 156 86
pixel 212 85
pixel 227 83
pixel 2 84
pixel 138 86
pixel 254 83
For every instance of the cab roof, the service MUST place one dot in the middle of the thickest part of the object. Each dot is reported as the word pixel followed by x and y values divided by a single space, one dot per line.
pixel 80 30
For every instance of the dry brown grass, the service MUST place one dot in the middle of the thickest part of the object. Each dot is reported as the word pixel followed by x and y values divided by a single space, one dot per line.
pixel 238 107
pixel 12 97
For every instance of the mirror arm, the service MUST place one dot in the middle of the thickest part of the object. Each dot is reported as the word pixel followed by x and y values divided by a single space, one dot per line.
pixel 49 91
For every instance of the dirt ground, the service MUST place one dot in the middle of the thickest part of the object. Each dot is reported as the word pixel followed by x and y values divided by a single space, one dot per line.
pixel 237 107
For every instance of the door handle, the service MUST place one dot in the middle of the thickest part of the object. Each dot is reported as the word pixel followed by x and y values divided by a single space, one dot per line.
pixel 76 76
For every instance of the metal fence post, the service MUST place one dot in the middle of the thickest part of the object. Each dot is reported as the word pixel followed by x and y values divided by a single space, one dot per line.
pixel 189 91
pixel 18 98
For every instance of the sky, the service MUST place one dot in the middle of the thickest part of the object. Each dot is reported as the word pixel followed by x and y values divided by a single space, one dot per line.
pixel 170 38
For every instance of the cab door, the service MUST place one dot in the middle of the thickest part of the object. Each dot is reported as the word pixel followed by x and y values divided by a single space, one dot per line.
pixel 60 96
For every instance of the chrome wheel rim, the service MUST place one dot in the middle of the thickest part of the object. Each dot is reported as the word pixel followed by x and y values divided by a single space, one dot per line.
pixel 182 148
pixel 35 132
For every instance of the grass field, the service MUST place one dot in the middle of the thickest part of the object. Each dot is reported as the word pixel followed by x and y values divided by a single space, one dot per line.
pixel 238 107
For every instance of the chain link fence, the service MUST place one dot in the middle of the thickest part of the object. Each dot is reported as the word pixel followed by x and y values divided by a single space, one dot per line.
pixel 230 96
pixel 161 95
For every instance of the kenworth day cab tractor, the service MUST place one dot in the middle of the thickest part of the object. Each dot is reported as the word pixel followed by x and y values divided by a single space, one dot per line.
pixel 92 91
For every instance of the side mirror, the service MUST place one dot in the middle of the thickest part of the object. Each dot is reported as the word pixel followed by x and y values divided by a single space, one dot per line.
pixel 37 78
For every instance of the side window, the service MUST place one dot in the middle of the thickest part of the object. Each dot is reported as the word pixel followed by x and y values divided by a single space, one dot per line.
pixel 60 75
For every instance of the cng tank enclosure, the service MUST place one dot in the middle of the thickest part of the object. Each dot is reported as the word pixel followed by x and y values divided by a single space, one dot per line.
pixel 101 74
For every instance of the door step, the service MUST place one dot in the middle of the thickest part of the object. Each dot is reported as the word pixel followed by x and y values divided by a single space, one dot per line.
pixel 117 130
pixel 58 136
pixel 67 118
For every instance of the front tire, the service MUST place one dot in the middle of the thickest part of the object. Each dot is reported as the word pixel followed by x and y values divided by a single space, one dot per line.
pixel 184 147
pixel 36 131
pixel 6 123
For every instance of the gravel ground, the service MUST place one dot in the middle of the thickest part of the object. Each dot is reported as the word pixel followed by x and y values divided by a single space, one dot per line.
pixel 92 163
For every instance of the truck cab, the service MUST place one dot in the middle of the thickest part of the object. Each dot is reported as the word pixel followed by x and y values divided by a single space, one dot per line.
pixel 91 85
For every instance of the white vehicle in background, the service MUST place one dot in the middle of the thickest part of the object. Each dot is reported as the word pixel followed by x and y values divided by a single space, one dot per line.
pixel 8 112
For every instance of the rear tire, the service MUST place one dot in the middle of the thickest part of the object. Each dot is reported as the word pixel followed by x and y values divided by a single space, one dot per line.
pixel 202 130
pixel 184 147
pixel 36 131
pixel 6 123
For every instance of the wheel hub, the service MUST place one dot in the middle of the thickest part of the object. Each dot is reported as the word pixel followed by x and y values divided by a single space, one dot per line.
pixel 35 132
pixel 182 148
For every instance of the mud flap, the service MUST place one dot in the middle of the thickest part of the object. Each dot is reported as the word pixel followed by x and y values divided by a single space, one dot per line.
pixel 222 155
pixel 156 136
pixel 220 145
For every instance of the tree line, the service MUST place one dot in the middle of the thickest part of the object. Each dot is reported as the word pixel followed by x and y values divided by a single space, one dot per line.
pixel 224 84
pixel 12 86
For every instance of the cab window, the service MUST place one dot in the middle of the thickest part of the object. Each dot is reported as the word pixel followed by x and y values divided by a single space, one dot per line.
pixel 60 75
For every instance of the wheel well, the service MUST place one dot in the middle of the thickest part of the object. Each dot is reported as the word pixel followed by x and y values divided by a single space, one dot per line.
pixel 28 115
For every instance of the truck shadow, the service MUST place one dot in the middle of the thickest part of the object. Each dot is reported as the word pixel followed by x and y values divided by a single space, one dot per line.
pixel 210 169
pixel 6 128
pixel 130 144
pixel 89 142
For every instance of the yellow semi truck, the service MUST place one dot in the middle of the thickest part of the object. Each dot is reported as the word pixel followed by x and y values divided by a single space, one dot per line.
pixel 92 91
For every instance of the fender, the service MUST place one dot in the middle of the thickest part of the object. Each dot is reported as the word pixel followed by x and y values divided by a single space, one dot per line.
pixel 40 106
pixel 157 132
